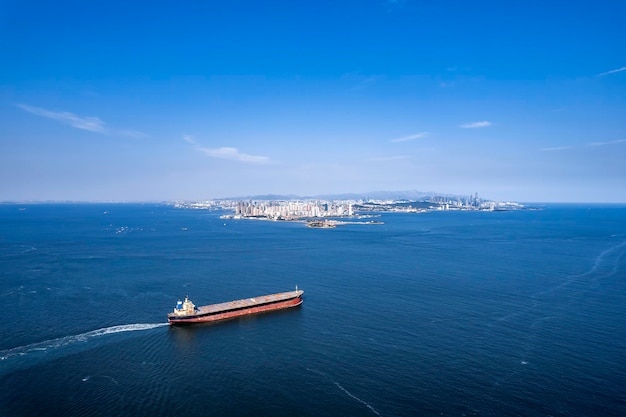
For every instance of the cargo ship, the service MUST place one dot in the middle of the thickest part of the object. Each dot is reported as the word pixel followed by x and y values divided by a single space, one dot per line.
pixel 186 311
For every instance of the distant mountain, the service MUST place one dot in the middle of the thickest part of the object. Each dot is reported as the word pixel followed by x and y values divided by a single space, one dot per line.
pixel 410 195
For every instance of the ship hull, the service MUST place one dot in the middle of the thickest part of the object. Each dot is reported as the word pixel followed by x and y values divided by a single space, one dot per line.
pixel 218 315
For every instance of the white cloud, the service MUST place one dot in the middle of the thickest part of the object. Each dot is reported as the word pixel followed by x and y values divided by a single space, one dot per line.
pixel 410 137
pixel 235 155
pixel 89 123
pixel 229 153
pixel 475 125
pixel 92 124
pixel 613 142
pixel 612 71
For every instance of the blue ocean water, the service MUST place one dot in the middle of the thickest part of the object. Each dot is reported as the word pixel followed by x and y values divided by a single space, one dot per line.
pixel 515 313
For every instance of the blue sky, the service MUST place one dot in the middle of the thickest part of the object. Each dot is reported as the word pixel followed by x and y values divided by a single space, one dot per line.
pixel 132 101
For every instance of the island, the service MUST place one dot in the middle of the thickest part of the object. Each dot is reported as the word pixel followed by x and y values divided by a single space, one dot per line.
pixel 325 213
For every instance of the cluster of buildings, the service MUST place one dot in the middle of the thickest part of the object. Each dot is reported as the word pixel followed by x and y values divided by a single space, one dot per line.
pixel 289 210
pixel 471 203
pixel 308 209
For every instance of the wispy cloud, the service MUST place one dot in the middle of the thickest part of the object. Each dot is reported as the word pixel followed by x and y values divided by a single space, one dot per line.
pixel 89 123
pixel 612 142
pixel 229 153
pixel 612 71
pixel 590 144
pixel 475 125
pixel 556 148
pixel 92 124
pixel 410 137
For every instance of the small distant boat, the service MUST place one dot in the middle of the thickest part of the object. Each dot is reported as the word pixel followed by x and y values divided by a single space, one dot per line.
pixel 186 311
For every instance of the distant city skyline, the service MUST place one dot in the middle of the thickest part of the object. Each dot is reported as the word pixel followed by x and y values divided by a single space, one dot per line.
pixel 163 101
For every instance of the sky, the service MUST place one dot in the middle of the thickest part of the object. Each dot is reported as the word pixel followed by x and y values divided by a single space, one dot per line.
pixel 195 100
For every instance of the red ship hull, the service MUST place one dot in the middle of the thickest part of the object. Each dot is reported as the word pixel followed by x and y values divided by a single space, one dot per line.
pixel 218 312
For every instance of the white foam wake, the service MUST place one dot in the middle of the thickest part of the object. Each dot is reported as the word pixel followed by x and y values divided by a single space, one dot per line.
pixel 60 342
pixel 121 328
pixel 105 377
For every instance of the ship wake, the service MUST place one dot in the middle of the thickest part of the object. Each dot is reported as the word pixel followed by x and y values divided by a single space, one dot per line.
pixel 605 265
pixel 348 393
pixel 357 398
pixel 553 304
pixel 34 353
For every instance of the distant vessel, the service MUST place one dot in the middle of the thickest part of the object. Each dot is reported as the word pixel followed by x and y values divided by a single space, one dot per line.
pixel 186 312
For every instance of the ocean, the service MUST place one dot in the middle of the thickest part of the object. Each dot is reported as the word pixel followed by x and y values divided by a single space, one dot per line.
pixel 458 313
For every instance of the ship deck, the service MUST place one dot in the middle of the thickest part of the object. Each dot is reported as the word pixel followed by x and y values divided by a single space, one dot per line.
pixel 246 303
